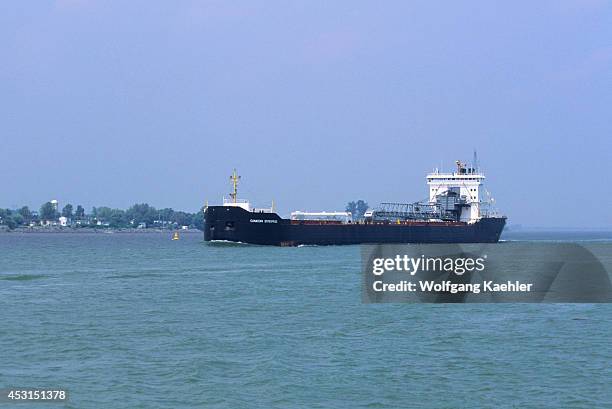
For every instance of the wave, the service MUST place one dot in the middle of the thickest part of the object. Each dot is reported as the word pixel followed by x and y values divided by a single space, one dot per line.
pixel 23 277
pixel 135 275
pixel 227 243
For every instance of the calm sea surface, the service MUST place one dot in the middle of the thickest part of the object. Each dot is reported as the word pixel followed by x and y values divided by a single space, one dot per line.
pixel 140 321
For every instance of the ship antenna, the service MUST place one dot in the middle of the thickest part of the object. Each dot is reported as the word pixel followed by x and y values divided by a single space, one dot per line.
pixel 475 161
pixel 234 178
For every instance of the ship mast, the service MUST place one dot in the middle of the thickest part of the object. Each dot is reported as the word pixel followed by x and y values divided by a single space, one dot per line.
pixel 234 178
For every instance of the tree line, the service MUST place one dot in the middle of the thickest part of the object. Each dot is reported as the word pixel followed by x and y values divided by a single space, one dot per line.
pixel 138 215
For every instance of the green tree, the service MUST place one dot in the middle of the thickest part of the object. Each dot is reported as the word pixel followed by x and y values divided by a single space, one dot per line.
pixel 9 222
pixel 48 212
pixel 67 211
pixel 26 214
pixel 10 218
pixel 117 218
pixel 357 209
pixel 79 213
pixel 362 207
pixel 198 220
pixel 182 218
pixel 351 207
pixel 167 215
pixel 17 218
pixel 103 213
pixel 141 213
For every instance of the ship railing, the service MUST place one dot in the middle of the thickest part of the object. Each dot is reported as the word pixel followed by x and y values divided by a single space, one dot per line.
pixel 488 210
pixel 393 216
pixel 262 210
pixel 228 201
pixel 411 211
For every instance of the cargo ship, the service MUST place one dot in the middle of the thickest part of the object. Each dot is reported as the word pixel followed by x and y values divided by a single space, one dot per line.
pixel 459 210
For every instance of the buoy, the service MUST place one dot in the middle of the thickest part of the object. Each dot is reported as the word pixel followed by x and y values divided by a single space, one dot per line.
pixel 175 236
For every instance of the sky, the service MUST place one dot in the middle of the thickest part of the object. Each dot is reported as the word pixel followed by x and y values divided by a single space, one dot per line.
pixel 316 103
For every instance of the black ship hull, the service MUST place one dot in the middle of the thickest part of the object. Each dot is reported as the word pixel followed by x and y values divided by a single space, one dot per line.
pixel 238 225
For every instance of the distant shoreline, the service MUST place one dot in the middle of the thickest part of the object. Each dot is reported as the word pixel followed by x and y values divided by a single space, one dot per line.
pixel 69 230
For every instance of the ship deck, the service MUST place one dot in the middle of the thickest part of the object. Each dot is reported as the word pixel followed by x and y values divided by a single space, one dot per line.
pixel 381 223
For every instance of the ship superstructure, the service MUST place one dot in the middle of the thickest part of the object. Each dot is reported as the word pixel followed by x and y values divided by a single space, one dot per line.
pixel 458 190
pixel 453 196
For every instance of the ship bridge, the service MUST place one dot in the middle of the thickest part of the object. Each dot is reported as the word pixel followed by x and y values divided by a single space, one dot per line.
pixel 463 185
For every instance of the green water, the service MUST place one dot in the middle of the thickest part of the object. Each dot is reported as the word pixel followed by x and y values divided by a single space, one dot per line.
pixel 140 321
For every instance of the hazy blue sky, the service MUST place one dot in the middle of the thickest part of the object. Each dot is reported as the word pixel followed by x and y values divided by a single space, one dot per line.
pixel 315 103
